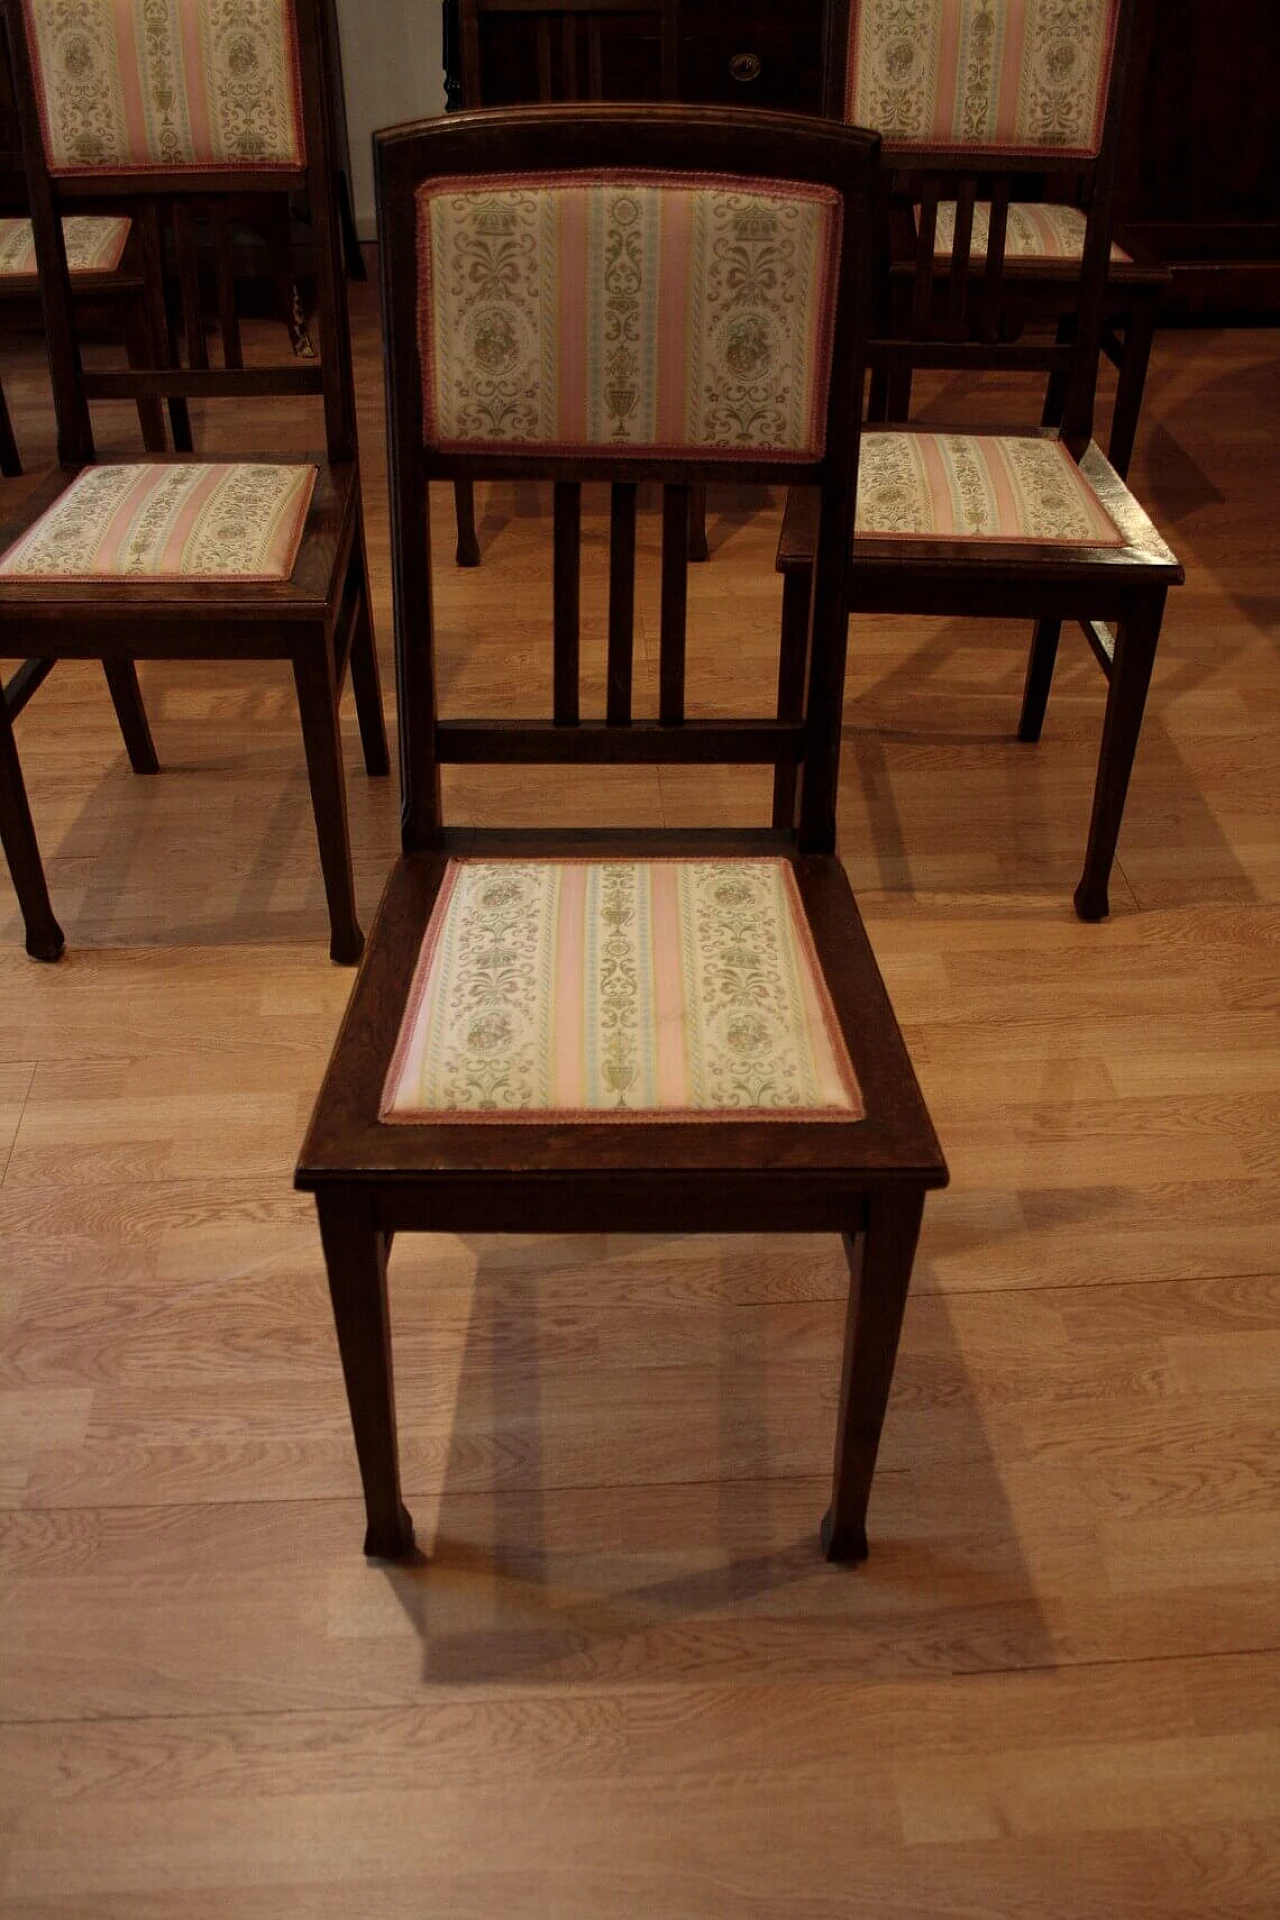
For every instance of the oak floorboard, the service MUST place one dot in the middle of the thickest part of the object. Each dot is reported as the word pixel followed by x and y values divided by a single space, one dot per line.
pixel 622 1684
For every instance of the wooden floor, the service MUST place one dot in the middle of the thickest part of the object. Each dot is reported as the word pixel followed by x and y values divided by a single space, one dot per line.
pixel 627 1685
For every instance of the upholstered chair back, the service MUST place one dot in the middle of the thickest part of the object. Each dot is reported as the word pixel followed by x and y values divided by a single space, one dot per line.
pixel 647 313
pixel 133 86
pixel 1013 76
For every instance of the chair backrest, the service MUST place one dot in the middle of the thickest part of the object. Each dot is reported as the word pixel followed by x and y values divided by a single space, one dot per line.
pixel 978 102
pixel 610 293
pixel 182 117
pixel 514 53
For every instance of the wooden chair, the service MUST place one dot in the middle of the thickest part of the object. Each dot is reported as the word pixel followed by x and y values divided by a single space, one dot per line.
pixel 179 559
pixel 1035 526
pixel 950 89
pixel 726 1058
pixel 514 53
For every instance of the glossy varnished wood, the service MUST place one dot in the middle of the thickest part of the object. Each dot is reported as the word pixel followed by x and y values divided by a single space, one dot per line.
pixel 626 1683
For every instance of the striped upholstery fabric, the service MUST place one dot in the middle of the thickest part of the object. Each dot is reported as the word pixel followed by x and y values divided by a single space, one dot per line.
pixel 1019 75
pixel 689 315
pixel 1041 230
pixel 963 486
pixel 157 85
pixel 663 989
pixel 162 522
pixel 94 244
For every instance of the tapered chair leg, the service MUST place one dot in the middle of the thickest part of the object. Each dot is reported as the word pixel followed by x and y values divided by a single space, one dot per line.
pixel 464 506
pixel 1139 334
pixel 314 678
pixel 137 347
pixel 1135 655
pixel 1035 692
pixel 356 1257
pixel 366 684
pixel 126 698
pixel 880 1260
pixel 44 937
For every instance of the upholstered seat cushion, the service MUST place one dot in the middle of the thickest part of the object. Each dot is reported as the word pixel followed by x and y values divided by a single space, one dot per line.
pixel 963 486
pixel 1036 230
pixel 94 244
pixel 161 521
pixel 661 989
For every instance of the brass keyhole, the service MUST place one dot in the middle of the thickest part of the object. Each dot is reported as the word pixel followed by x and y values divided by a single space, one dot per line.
pixel 745 66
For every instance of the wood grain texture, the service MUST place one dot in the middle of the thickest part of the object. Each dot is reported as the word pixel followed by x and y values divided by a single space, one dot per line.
pixel 1053 1690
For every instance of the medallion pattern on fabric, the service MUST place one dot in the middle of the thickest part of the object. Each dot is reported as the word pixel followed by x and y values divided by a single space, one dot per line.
pixel 962 486
pixel 94 243
pixel 1017 74
pixel 648 313
pixel 1036 230
pixel 662 989
pixel 153 521
pixel 140 85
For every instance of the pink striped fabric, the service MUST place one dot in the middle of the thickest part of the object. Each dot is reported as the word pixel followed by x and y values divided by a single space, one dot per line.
pixel 1036 230
pixel 94 243
pixel 973 486
pixel 1011 75
pixel 138 86
pixel 688 315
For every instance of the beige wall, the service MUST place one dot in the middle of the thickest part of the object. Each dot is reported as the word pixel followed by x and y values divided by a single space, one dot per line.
pixel 391 66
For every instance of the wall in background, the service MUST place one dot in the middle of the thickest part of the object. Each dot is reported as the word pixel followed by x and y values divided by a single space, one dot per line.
pixel 392 69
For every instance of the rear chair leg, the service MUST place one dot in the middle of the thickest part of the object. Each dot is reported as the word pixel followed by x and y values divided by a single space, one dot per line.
pixel 464 506
pixel 126 698
pixel 355 1254
pixel 1135 655
pixel 314 679
pixel 880 1260
pixel 44 937
pixel 1040 665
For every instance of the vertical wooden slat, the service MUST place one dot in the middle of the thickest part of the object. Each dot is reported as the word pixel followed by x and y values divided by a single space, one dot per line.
pixel 565 601
pixel 228 318
pixel 569 57
pixel 595 60
pixel 961 248
pixel 189 280
pixel 622 600
pixel 793 658
pixel 675 596
pixel 922 300
pixel 993 271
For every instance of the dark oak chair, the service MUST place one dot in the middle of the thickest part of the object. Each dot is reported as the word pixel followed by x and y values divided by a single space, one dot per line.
pixel 184 559
pixel 1036 525
pixel 669 1030
pixel 1016 97
pixel 513 54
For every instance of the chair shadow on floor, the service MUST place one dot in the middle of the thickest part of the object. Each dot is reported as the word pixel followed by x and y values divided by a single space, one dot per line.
pixel 646 1507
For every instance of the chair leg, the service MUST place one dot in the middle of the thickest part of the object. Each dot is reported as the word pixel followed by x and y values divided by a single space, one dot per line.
pixel 1139 332
pixel 698 549
pixel 366 682
pixel 898 395
pixel 878 397
pixel 44 937
pixel 180 426
pixel 880 1261
pixel 1135 655
pixel 314 678
pixel 1040 665
pixel 137 347
pixel 10 459
pixel 126 698
pixel 1055 394
pixel 464 506
pixel 355 1255
pixel 797 585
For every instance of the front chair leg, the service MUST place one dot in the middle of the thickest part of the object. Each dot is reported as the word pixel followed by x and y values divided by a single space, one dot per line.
pixel 1135 656
pixel 1040 665
pixel 464 506
pixel 355 1254
pixel 126 698
pixel 366 683
pixel 698 548
pixel 314 678
pixel 44 937
pixel 880 1259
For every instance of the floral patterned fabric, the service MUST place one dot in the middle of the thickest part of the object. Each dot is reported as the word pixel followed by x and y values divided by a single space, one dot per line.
pixel 1014 74
pixel 94 244
pixel 662 989
pixel 156 521
pixel 1041 230
pixel 141 85
pixel 964 486
pixel 689 315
